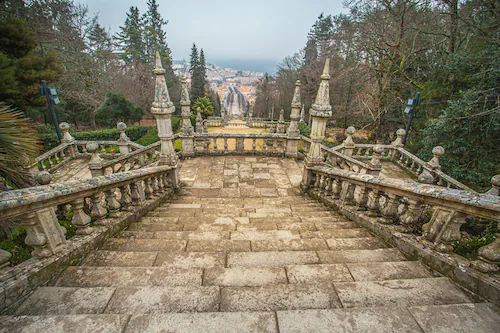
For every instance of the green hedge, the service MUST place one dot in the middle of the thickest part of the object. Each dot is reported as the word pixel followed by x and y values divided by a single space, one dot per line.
pixel 50 141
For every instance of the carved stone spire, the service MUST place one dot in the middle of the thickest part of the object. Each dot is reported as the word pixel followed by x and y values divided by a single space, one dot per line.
pixel 293 129
pixel 187 127
pixel 162 102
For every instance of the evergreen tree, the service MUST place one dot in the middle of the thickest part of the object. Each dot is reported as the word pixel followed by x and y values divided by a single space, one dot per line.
pixel 203 69
pixel 131 37
pixel 197 84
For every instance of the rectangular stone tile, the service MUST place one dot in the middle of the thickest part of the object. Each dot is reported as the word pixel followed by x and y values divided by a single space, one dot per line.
pixel 194 235
pixel 264 235
pixel 346 256
pixel 273 209
pixel 178 205
pixel 209 227
pixel 84 276
pixel 137 300
pixel 218 246
pixel 271 259
pixel 152 227
pixel 336 233
pixel 135 234
pixel 335 225
pixel 316 214
pixel 157 219
pixel 243 276
pixel 191 259
pixel 400 293
pixel 318 273
pixel 388 270
pixel 268 192
pixel 214 322
pixel 309 208
pixel 366 320
pixel 63 300
pixel 289 245
pixel 463 318
pixel 144 245
pixel 278 297
pixel 64 323
pixel 324 219
pixel 297 226
pixel 120 259
pixel 279 215
pixel 363 243
pixel 175 213
pixel 274 220
pixel 256 227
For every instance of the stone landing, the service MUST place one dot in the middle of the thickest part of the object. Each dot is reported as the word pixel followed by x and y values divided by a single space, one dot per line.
pixel 241 250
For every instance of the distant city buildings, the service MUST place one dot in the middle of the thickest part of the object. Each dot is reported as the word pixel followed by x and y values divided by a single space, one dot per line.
pixel 220 79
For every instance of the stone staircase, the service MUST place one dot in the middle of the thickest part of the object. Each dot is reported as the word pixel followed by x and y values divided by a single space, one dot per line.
pixel 214 260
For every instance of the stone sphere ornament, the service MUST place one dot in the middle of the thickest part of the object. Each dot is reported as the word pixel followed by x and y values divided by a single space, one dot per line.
pixel 43 178
pixel 92 147
pixel 121 126
pixel 438 151
pixel 350 130
pixel 64 126
pixel 400 132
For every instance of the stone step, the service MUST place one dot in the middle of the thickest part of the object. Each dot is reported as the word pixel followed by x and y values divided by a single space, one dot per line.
pixel 360 243
pixel 144 245
pixel 257 226
pixel 244 276
pixel 407 292
pixel 359 256
pixel 191 259
pixel 157 226
pixel 271 259
pixel 180 235
pixel 218 246
pixel 336 233
pixel 264 235
pixel 279 297
pixel 378 271
pixel 88 276
pixel 102 258
pixel 289 245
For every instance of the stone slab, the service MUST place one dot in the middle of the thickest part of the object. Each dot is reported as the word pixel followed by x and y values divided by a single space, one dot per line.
pixel 144 245
pixel 335 225
pixel 243 276
pixel 388 271
pixel 362 243
pixel 366 320
pixel 85 276
pixel 345 256
pixel 64 324
pixel 218 246
pixel 289 245
pixel 209 227
pixel 412 292
pixel 336 233
pixel 65 300
pixel 152 227
pixel 136 300
pixel 194 235
pixel 457 318
pixel 210 322
pixel 264 235
pixel 120 259
pixel 318 273
pixel 191 259
pixel 278 297
pixel 256 227
pixel 178 205
pixel 305 226
pixel 271 259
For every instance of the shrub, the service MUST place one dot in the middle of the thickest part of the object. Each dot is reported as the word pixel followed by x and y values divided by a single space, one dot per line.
pixel 117 108
pixel 304 129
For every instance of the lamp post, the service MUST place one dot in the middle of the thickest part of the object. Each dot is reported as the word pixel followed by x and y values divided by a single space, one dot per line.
pixel 52 99
pixel 411 109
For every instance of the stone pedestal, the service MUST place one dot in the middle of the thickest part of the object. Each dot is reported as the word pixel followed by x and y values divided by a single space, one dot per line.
pixel 123 141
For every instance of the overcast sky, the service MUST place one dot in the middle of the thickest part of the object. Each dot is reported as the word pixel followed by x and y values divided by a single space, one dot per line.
pixel 228 29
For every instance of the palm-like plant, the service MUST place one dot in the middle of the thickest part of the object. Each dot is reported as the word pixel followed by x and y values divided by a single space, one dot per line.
pixel 18 146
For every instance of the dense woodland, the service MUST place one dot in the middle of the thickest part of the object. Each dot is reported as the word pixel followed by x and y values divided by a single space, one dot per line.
pixel 383 52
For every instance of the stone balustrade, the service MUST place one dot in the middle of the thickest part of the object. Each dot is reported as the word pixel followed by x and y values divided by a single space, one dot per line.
pixel 135 160
pixel 402 203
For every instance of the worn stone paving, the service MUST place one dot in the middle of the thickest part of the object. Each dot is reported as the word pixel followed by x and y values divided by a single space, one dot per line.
pixel 241 250
pixel 72 170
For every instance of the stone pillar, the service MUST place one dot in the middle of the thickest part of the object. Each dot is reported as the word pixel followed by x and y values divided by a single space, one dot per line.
pixel 199 121
pixel 293 132
pixel 349 142
pixel 426 177
pixel 375 161
pixel 490 254
pixel 95 163
pixel 320 112
pixel 163 109
pixel 123 141
pixel 67 138
pixel 281 123
pixel 187 133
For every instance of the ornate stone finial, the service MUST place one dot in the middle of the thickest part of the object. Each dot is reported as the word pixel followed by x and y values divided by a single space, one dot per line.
pixel 43 178
pixel 162 103
pixel 66 136
pixel 123 136
pixel 159 67
pixel 495 186
pixel 377 152
pixel 399 138
pixel 437 152
pixel 184 93
pixel 321 106
pixel 349 142
pixel 296 95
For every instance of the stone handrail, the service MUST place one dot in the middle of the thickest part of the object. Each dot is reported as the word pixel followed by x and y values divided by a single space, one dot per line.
pixel 399 202
pixel 134 160
pixel 53 159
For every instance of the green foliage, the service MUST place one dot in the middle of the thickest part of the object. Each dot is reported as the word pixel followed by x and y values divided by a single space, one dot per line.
pixel 16 246
pixel 130 37
pixel 133 132
pixel 117 108
pixel 150 137
pixel 468 248
pixel 304 129
pixel 198 75
pixel 205 105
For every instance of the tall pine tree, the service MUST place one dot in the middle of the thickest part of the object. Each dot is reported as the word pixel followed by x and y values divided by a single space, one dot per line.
pixel 197 84
pixel 131 37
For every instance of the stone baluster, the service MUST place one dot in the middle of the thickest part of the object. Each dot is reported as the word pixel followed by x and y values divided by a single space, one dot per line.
pixel 68 139
pixel 347 193
pixel 123 141
pixel 410 218
pixel 349 142
pixel 444 228
pixel 329 187
pixel 317 181
pixel 156 185
pixel 240 144
pixel 254 144
pixel 225 144
pixel 390 209
pixel 215 144
pixel 35 236
pixel 320 111
pixel 373 203
pixel 80 220
pixel 337 189
pixel 112 204
pixel 375 160
pixel 135 195
pixel 125 199
pixel 95 163
pixel 98 212
pixel 397 143
pixel 159 180
pixel 361 196
pixel 426 176
pixel 148 190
